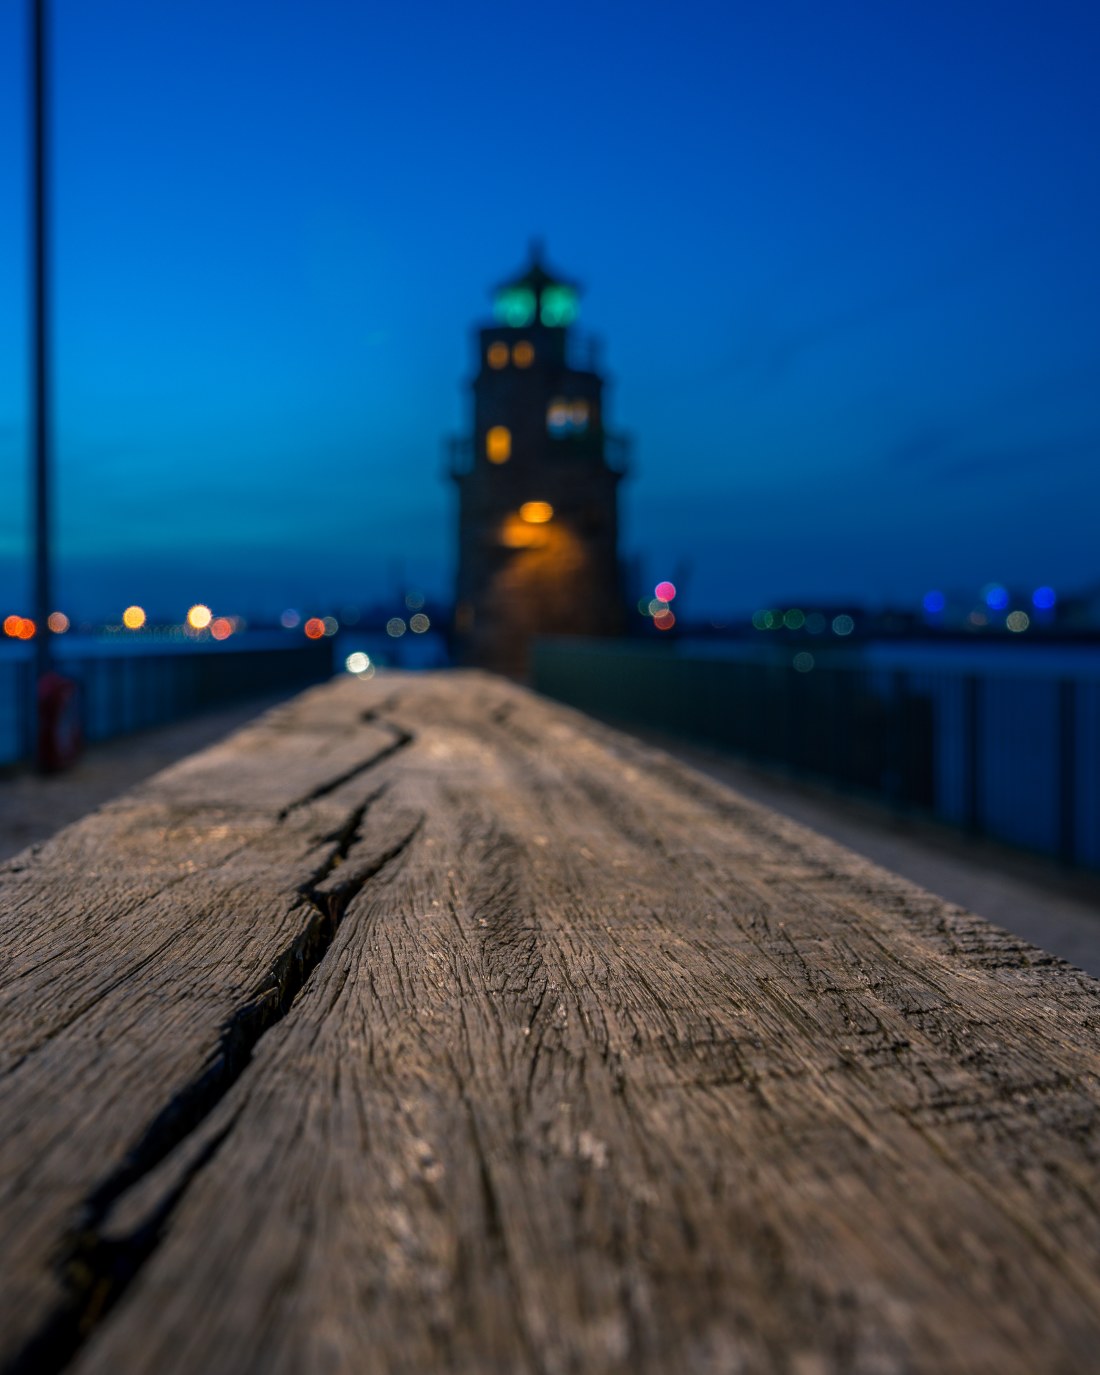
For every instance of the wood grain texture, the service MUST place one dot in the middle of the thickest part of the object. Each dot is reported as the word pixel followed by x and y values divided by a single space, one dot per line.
pixel 429 1026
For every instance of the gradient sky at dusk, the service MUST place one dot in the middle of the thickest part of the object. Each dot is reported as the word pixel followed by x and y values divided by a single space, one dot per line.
pixel 845 260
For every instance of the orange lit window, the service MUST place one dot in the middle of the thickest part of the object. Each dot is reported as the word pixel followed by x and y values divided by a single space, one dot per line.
pixel 498 444
pixel 497 356
pixel 523 355
pixel 536 512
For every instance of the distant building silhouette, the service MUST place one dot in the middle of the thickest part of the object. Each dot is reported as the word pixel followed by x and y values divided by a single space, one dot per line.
pixel 537 482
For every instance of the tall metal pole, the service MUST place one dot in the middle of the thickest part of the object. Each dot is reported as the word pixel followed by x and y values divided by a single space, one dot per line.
pixel 40 350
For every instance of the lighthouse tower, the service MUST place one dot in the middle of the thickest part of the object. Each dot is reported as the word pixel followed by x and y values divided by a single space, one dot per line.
pixel 537 482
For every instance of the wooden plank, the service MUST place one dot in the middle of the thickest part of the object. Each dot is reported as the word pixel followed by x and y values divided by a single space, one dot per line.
pixel 595 1066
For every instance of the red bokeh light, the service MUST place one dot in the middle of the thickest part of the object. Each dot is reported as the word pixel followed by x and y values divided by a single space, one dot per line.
pixel 12 625
pixel 664 620
pixel 314 628
pixel 664 591
pixel 27 629
pixel 222 628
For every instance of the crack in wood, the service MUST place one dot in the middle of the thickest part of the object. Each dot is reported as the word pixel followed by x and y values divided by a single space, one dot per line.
pixel 95 1269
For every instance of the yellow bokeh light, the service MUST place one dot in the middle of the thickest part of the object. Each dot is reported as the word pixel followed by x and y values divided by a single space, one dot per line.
pixel 497 356
pixel 523 355
pixel 199 617
pixel 498 444
pixel 133 618
pixel 536 512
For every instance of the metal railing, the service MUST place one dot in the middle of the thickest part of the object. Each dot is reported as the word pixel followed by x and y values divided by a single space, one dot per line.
pixel 1012 756
pixel 125 691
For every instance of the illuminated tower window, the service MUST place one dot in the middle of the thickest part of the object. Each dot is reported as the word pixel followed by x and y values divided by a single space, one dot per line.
pixel 565 417
pixel 558 305
pixel 497 356
pixel 523 355
pixel 498 444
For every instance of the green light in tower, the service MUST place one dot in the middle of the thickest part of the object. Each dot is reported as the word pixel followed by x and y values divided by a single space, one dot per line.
pixel 559 305
pixel 515 306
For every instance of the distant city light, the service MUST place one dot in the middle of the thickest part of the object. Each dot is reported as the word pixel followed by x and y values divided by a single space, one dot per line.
pixel 58 622
pixel 664 620
pixel 199 617
pixel 357 662
pixel 395 626
pixel 656 606
pixel 643 606
pixel 330 625
pixel 222 628
pixel 497 356
pixel 664 591
pixel 314 628
pixel 133 618
pixel 1043 598
pixel 536 512
pixel 803 662
pixel 978 618
pixel 19 627
pixel 760 620
pixel 1017 621
pixel 414 600
pixel 843 625
pixel 290 619
pixel 995 596
pixel 934 602
pixel 794 619
pixel 419 623
pixel 523 355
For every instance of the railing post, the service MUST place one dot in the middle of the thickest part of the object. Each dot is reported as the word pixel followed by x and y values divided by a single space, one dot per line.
pixel 972 752
pixel 1067 771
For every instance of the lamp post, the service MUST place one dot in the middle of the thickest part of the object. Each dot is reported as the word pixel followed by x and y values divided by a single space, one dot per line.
pixel 40 357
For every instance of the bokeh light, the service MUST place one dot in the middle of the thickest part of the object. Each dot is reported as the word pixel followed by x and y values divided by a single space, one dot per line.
pixel 12 626
pixel 664 591
pixel 664 620
pixel 199 617
pixel 1017 621
pixel 314 628
pixel 290 619
pixel 815 622
pixel 843 625
pixel 1043 598
pixel 58 622
pixel 794 619
pixel 419 623
pixel 395 626
pixel 133 618
pixel 523 355
pixel 803 662
pixel 221 628
pixel 497 357
pixel 934 602
pixel 498 444
pixel 357 662
pixel 536 512
pixel 414 600
pixel 330 625
pixel 995 596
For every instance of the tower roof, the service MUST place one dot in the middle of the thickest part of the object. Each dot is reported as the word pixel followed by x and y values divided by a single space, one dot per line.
pixel 536 294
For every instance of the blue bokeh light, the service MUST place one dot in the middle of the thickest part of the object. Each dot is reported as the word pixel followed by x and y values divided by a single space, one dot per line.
pixel 1043 598
pixel 934 602
pixel 995 596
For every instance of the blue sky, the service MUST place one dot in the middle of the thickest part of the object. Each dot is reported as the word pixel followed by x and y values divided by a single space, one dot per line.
pixel 843 259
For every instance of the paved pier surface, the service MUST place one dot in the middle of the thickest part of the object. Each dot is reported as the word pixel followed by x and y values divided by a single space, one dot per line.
pixel 426 1025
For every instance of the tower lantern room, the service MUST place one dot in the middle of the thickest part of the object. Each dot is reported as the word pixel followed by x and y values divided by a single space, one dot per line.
pixel 537 481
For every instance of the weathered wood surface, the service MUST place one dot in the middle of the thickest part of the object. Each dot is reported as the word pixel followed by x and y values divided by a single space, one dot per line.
pixel 427 1026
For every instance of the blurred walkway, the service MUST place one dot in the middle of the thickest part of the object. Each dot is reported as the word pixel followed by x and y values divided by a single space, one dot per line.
pixel 32 808
pixel 1054 909
pixel 1032 898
